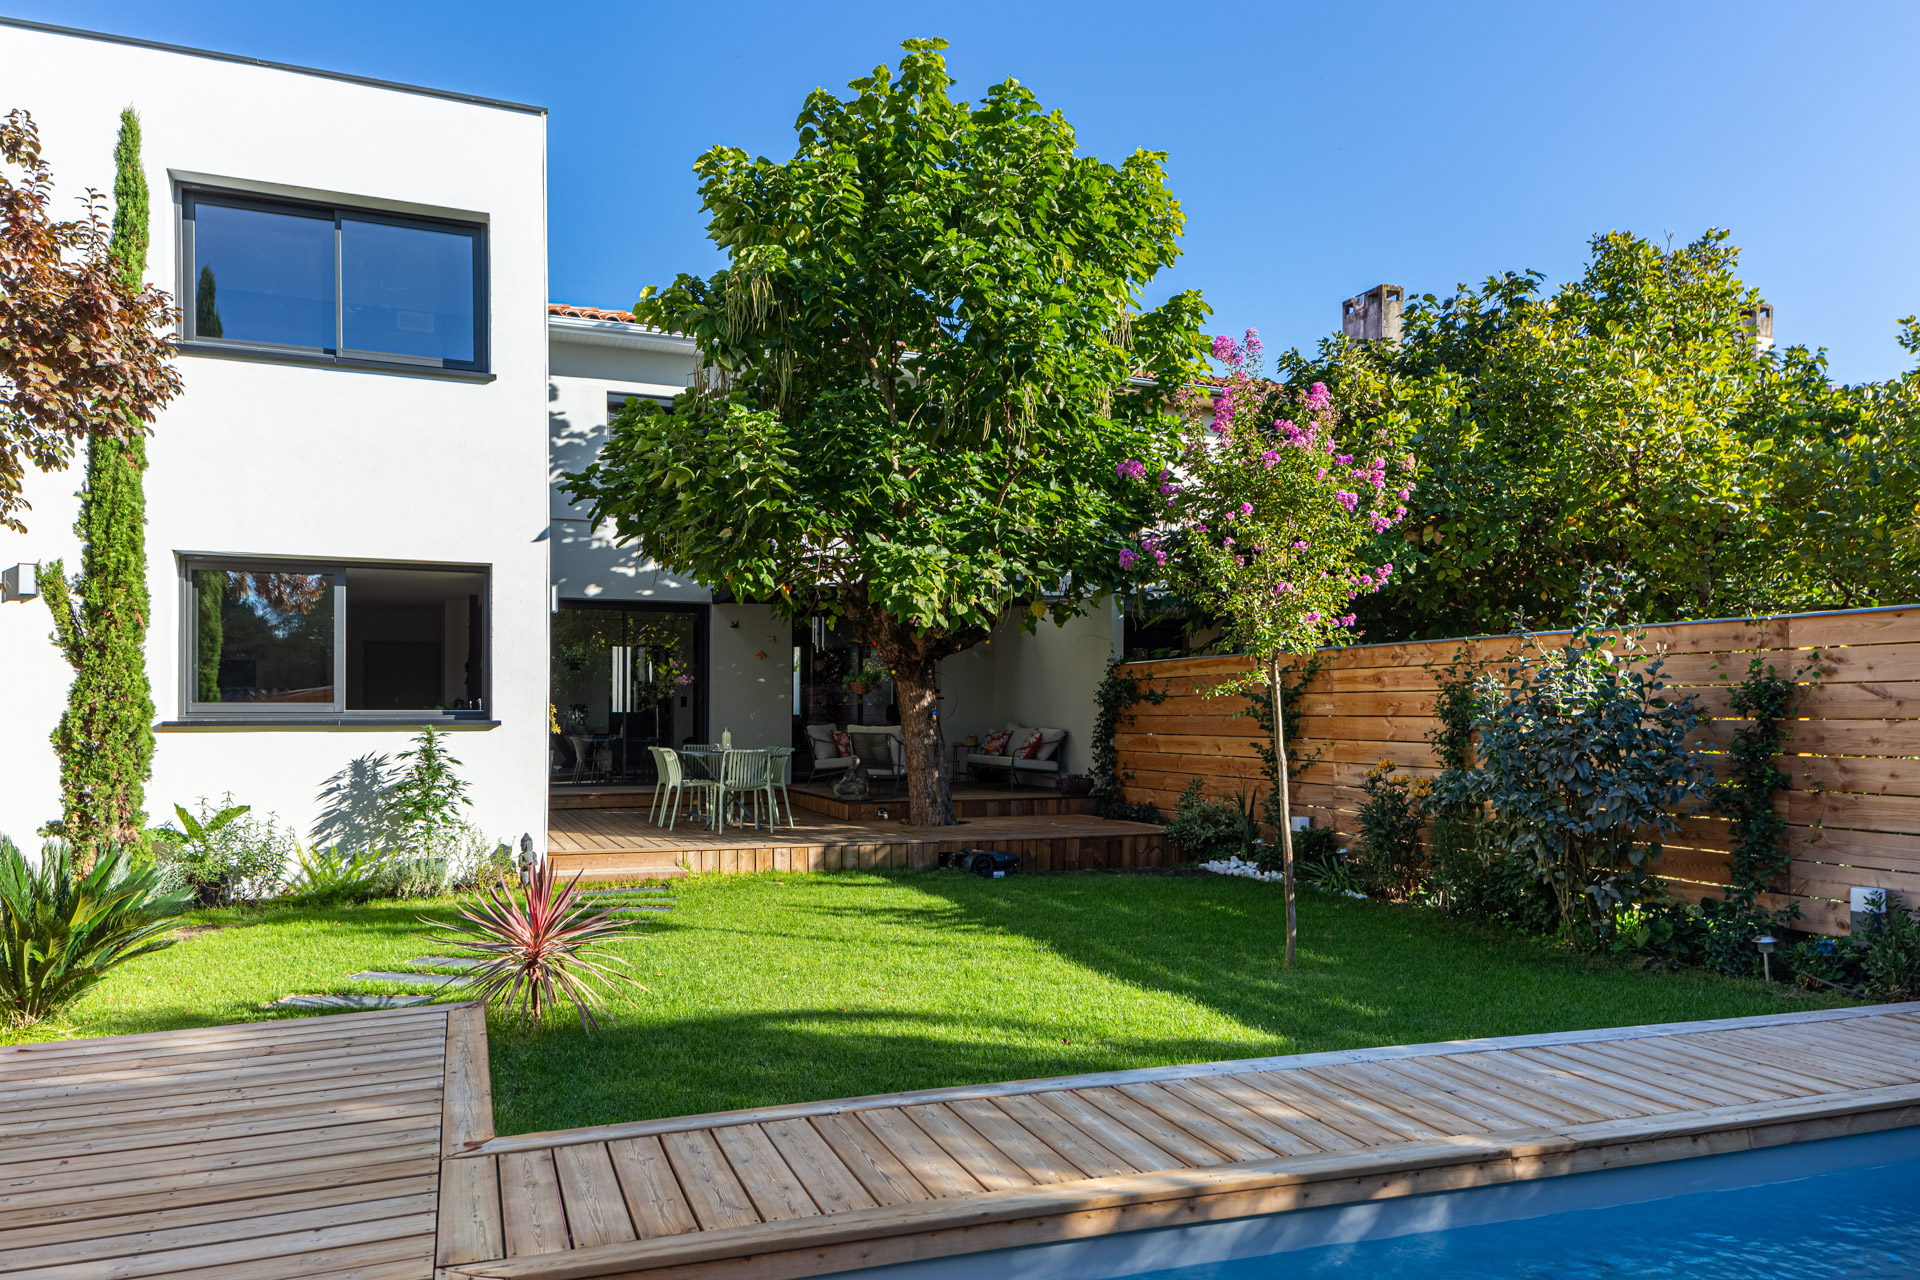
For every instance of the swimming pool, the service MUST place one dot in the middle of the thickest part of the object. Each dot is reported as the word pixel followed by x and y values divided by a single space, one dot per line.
pixel 1838 1207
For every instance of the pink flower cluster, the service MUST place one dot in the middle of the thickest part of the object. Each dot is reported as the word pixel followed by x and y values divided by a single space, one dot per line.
pixel 1131 469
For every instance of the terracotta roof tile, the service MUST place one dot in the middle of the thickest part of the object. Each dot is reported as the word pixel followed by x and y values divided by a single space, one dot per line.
pixel 589 313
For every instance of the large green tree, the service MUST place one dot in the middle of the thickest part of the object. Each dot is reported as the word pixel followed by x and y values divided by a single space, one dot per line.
pixel 105 739
pixel 922 370
pixel 1626 420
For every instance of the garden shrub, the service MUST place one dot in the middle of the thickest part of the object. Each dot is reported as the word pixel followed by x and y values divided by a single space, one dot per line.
pixel 62 929
pixel 1820 961
pixel 1584 758
pixel 224 855
pixel 334 877
pixel 1890 963
pixel 424 802
pixel 1204 829
pixel 1392 862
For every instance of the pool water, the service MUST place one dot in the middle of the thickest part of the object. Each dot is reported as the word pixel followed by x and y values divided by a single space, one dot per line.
pixel 1859 1222
pixel 1840 1207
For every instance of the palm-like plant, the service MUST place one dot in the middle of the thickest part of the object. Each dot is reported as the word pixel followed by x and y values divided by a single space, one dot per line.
pixel 61 933
pixel 541 946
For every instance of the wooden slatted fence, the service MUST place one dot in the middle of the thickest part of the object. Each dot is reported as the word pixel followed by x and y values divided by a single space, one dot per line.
pixel 1854 802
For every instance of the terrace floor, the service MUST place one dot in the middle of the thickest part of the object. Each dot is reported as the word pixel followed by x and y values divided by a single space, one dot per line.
pixel 606 834
pixel 362 1145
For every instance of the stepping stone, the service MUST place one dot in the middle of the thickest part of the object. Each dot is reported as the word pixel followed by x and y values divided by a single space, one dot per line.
pixel 348 1002
pixel 597 894
pixel 382 975
pixel 630 911
pixel 446 962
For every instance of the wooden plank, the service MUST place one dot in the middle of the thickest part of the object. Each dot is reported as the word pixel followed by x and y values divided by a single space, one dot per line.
pixel 713 1193
pixel 1492 1109
pixel 991 1167
pixel 532 1217
pixel 886 1179
pixel 1576 1103
pixel 826 1177
pixel 1422 1103
pixel 184 1145
pixel 1370 1121
pixel 1038 1161
pixel 591 1195
pixel 654 1201
pixel 1582 1063
pixel 776 1193
pixel 935 1170
pixel 1649 1058
pixel 467 1116
pixel 77 1136
pixel 1079 1148
pixel 1110 1133
pixel 1243 1092
pixel 1191 1122
pixel 469 1226
pixel 287 1029
pixel 314 1250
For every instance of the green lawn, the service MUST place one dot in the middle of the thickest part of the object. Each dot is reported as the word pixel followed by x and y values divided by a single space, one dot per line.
pixel 782 988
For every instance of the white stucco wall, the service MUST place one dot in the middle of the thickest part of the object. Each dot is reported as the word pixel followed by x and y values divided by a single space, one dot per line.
pixel 586 368
pixel 329 463
pixel 752 676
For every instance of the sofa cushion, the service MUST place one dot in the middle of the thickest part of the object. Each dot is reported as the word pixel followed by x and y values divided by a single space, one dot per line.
pixel 842 744
pixel 995 743
pixel 1029 747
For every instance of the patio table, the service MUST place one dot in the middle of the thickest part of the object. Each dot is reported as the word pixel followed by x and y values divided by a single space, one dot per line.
pixel 709 762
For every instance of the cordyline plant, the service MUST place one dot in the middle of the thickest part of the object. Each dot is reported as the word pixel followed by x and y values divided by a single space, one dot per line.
pixel 83 351
pixel 542 948
pixel 1273 524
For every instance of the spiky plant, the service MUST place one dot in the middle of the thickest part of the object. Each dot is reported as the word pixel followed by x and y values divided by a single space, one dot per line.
pixel 61 932
pixel 542 948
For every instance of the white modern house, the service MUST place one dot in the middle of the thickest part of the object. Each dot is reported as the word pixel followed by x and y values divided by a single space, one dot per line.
pixel 354 521
pixel 346 507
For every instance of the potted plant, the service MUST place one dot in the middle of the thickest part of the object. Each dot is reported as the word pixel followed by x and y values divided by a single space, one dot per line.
pixel 870 674
pixel 1076 784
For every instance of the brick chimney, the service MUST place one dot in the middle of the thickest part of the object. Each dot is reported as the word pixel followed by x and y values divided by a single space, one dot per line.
pixel 1761 322
pixel 1374 315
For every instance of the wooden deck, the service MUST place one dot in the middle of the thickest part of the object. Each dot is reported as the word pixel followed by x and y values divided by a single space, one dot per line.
pixel 309 1147
pixel 361 1145
pixel 620 842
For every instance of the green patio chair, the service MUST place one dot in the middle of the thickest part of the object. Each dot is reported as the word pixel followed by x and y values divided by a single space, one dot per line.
pixel 678 785
pixel 778 777
pixel 749 775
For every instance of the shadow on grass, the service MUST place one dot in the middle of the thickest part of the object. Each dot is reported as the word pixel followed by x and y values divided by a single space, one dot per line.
pixel 556 1078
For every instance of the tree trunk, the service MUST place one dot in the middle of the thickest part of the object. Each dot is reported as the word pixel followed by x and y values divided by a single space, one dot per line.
pixel 929 781
pixel 1284 804
pixel 913 654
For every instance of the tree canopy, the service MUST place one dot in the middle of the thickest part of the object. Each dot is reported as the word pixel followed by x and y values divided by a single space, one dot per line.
pixel 84 347
pixel 1628 420
pixel 920 370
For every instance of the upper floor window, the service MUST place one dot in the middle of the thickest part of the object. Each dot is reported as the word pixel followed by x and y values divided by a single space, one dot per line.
pixel 333 283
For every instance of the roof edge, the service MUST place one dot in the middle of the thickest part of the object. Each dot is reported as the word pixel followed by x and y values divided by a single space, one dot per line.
pixel 49 28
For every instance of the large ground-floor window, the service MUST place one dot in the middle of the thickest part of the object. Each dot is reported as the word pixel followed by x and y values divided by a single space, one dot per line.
pixel 289 639
pixel 625 677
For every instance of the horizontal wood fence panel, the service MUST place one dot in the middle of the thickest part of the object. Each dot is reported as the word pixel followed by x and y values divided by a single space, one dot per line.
pixel 1853 802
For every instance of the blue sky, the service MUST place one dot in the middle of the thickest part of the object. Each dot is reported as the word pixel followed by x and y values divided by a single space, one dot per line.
pixel 1317 149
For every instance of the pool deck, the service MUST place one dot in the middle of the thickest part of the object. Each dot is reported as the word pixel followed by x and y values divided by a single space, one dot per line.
pixel 362 1145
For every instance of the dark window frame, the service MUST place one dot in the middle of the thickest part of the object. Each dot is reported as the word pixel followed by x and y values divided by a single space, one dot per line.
pixel 193 711
pixel 191 195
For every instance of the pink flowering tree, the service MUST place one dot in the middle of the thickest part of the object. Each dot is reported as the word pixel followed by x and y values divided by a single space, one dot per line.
pixel 1273 522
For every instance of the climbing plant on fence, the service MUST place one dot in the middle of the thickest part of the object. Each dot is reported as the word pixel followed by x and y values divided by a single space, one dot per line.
pixel 1116 695
pixel 1759 858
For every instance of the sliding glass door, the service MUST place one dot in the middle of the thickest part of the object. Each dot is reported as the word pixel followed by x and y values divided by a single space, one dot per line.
pixel 625 678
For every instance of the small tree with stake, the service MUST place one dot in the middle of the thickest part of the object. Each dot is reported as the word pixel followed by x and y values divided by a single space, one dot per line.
pixel 921 371
pixel 1268 524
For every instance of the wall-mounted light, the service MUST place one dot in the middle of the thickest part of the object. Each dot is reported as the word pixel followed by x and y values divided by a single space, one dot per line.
pixel 22 582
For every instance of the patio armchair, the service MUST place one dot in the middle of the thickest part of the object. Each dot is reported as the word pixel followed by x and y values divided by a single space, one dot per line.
pixel 882 752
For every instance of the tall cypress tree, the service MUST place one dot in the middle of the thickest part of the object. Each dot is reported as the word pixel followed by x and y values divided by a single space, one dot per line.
pixel 105 739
